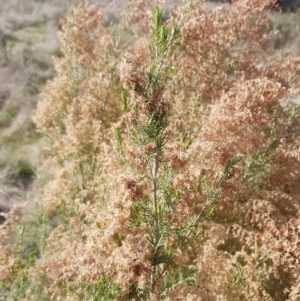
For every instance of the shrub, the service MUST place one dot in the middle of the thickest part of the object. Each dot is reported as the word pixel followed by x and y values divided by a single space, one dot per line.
pixel 175 157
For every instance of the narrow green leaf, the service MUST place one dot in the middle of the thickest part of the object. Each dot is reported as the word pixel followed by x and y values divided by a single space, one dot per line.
pixel 124 101
pixel 163 37
pixel 187 145
pixel 134 138
pixel 157 17
pixel 151 75
pixel 136 109
pixel 118 135
pixel 231 163
pixel 159 141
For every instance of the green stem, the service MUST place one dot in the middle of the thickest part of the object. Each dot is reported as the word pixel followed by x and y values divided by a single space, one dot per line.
pixel 153 172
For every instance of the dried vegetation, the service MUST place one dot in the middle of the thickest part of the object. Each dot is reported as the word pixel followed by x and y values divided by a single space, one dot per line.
pixel 185 186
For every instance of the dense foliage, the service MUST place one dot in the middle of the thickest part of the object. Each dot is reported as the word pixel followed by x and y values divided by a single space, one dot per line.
pixel 175 162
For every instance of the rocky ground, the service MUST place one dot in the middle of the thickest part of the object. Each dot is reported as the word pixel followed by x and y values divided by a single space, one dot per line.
pixel 28 40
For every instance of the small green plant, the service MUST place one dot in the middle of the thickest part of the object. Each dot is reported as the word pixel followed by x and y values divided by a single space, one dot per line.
pixel 239 273
pixel 7 116
pixel 20 285
pixel 26 170
pixel 158 200
pixel 100 291
pixel 30 242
